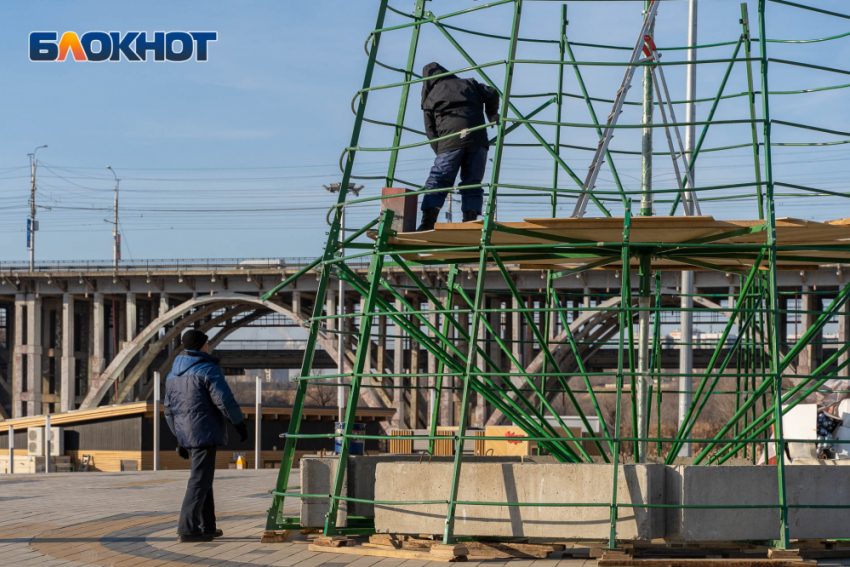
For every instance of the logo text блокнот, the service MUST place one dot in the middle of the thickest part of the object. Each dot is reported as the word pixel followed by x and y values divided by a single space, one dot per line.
pixel 173 46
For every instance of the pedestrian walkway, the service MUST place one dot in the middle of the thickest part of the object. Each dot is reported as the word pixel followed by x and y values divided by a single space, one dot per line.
pixel 130 519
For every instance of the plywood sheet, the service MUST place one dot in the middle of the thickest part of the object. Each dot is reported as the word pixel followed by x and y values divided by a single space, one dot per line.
pixel 662 230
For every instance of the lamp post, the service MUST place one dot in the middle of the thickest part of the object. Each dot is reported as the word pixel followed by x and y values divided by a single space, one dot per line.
pixel 116 238
pixel 686 354
pixel 340 392
pixel 31 224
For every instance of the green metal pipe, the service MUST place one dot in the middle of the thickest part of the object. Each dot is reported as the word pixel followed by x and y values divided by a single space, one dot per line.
pixel 751 99
pixel 625 298
pixel 489 221
pixel 364 351
pixel 711 113
pixel 419 10
pixel 592 112
pixel 745 287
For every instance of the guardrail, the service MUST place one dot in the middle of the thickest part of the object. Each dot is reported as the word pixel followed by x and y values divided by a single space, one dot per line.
pixel 262 344
pixel 166 264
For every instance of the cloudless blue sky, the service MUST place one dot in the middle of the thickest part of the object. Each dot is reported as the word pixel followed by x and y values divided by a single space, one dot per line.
pixel 227 158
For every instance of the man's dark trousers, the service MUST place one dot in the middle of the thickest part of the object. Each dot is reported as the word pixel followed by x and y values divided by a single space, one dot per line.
pixel 197 515
pixel 471 163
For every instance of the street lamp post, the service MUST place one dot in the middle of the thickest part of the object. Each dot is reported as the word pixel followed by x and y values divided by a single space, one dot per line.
pixel 686 354
pixel 31 224
pixel 116 238
pixel 340 393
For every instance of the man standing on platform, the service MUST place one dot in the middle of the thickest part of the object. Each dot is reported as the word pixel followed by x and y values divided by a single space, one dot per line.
pixel 453 105
pixel 198 404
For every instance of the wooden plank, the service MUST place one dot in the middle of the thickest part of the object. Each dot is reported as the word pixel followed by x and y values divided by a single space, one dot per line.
pixel 401 446
pixel 391 553
pixel 146 408
pixel 626 561
pixel 669 230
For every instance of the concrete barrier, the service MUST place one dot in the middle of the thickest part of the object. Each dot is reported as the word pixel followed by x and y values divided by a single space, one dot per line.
pixel 317 477
pixel 818 483
pixel 319 473
pixel 824 483
pixel 539 480
pixel 734 486
pixel 527 483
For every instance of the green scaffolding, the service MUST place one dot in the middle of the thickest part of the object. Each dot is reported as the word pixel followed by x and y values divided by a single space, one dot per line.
pixel 756 359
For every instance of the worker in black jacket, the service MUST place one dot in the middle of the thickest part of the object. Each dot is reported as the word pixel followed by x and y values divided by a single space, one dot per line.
pixel 453 105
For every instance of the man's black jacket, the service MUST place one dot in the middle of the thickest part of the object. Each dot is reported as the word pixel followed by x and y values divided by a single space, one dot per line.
pixel 452 104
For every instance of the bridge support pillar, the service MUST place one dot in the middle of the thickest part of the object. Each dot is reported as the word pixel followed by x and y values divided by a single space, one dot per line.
pixel 811 356
pixel 844 335
pixel 131 314
pixel 380 364
pixel 415 393
pixel 296 302
pixel 447 395
pixel 479 415
pixel 68 362
pixel 400 419
pixel 463 321
pixel 163 309
pixel 18 356
pixel 34 352
pixel 97 337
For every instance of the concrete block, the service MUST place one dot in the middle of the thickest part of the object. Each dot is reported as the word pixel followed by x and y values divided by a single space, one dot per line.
pixel 317 477
pixel 528 482
pixel 824 483
pixel 813 483
pixel 707 485
pixel 318 474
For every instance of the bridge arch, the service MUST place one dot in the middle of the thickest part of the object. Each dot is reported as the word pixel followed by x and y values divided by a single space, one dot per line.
pixel 203 304
pixel 594 326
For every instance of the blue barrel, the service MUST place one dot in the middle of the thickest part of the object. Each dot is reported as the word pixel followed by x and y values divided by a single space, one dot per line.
pixel 357 445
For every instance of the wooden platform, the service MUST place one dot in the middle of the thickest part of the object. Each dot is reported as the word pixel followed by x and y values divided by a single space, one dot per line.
pixel 661 230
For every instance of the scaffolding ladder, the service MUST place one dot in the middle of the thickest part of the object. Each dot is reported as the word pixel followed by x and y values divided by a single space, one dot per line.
pixel 644 46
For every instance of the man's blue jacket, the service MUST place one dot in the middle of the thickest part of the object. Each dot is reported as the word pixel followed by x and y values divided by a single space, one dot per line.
pixel 198 401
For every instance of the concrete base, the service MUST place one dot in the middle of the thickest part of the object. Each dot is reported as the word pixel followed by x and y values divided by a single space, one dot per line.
pixel 318 475
pixel 505 479
pixel 530 483
pixel 815 484
pixel 822 484
pixel 705 485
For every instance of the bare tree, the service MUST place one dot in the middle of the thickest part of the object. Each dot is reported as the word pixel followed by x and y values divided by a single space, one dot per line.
pixel 321 394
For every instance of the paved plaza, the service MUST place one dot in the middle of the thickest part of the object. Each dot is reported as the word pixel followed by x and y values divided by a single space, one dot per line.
pixel 129 519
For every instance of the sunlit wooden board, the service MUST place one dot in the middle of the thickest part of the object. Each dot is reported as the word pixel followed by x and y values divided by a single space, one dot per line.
pixel 662 230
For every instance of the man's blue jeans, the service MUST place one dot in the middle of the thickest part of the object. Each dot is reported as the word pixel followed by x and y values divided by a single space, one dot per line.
pixel 471 163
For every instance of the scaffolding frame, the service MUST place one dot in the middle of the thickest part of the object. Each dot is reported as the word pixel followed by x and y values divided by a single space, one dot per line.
pixel 756 353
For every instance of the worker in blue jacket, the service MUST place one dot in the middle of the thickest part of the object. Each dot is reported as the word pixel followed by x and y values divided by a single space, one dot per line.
pixel 198 404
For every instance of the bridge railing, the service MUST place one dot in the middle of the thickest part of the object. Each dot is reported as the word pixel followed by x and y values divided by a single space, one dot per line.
pixel 260 344
pixel 167 264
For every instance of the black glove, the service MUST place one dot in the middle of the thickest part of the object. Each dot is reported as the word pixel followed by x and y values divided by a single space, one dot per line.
pixel 242 430
pixel 183 452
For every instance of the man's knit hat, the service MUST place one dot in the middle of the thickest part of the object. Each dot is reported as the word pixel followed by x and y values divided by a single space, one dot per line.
pixel 194 340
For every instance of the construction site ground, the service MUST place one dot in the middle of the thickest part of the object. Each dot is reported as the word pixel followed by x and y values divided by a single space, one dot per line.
pixel 129 518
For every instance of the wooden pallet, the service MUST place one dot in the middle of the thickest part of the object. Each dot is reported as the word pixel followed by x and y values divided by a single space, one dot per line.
pixel 477 549
pixel 710 554
pixel 452 555
pixel 628 561
pixel 274 537
pixel 822 549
